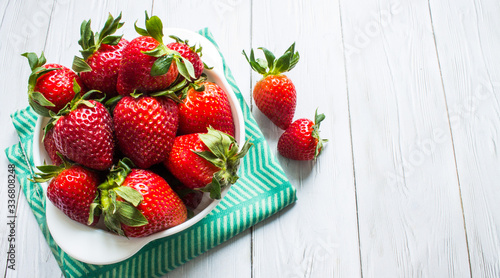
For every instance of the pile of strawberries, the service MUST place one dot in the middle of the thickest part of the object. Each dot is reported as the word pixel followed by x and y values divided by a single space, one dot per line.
pixel 136 132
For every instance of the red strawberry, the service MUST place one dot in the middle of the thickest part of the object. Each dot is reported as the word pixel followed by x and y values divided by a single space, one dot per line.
pixel 301 140
pixel 205 104
pixel 50 86
pixel 275 94
pixel 145 128
pixel 72 189
pixel 191 53
pixel 137 203
pixel 191 198
pixel 102 54
pixel 84 133
pixel 50 146
pixel 208 161
pixel 148 65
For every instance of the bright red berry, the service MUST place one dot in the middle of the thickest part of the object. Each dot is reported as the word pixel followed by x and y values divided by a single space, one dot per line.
pixel 72 189
pixel 138 203
pixel 205 104
pixel 301 140
pixel 145 128
pixel 50 86
pixel 191 53
pixel 208 161
pixel 84 134
pixel 101 56
pixel 50 146
pixel 275 94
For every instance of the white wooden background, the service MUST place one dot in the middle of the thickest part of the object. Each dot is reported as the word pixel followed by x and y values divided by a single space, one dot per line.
pixel 408 185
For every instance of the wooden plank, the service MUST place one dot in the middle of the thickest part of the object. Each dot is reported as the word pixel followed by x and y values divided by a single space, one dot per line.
pixel 230 27
pixel 53 27
pixel 467 43
pixel 24 27
pixel 316 237
pixel 410 216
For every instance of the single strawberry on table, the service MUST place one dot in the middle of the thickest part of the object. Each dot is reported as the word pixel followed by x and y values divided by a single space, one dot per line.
pixel 206 161
pixel 145 128
pixel 50 86
pixel 205 104
pixel 72 189
pixel 301 140
pixel 138 203
pixel 83 132
pixel 148 65
pixel 275 94
pixel 102 54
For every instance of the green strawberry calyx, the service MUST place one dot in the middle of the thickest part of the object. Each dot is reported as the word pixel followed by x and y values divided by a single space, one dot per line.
pixel 195 48
pixel 47 172
pixel 154 29
pixel 91 42
pixel 119 203
pixel 271 65
pixel 36 99
pixel 224 153
pixel 318 118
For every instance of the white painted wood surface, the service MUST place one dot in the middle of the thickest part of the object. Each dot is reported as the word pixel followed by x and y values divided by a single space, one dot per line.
pixel 408 184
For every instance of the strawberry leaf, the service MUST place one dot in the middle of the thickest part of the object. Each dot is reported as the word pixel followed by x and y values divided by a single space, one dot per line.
pixel 129 215
pixel 113 224
pixel 94 210
pixel 318 118
pixel 269 56
pixel 129 194
pixel 140 31
pixel 282 64
pixel 158 51
pixel 161 65
pixel 154 28
pixel 79 65
pixel 214 188
pixel 40 99
pixel 112 40
pixel 34 61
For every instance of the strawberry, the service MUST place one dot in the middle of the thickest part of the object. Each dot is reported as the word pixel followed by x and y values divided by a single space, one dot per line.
pixel 50 146
pixel 83 132
pixel 191 53
pixel 102 54
pixel 205 104
pixel 72 189
pixel 206 161
pixel 275 94
pixel 301 140
pixel 145 128
pixel 148 65
pixel 50 86
pixel 138 203
pixel 191 198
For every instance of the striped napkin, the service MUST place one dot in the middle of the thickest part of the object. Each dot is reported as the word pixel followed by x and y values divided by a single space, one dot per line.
pixel 261 191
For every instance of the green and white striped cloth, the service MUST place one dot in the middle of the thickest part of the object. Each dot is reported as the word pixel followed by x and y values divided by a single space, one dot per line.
pixel 261 191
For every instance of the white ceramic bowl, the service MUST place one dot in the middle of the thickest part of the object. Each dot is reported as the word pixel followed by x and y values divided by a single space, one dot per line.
pixel 95 245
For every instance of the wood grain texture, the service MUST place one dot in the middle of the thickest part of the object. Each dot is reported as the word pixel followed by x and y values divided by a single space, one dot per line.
pixel 317 237
pixel 469 58
pixel 410 218
pixel 24 25
pixel 410 94
pixel 230 27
